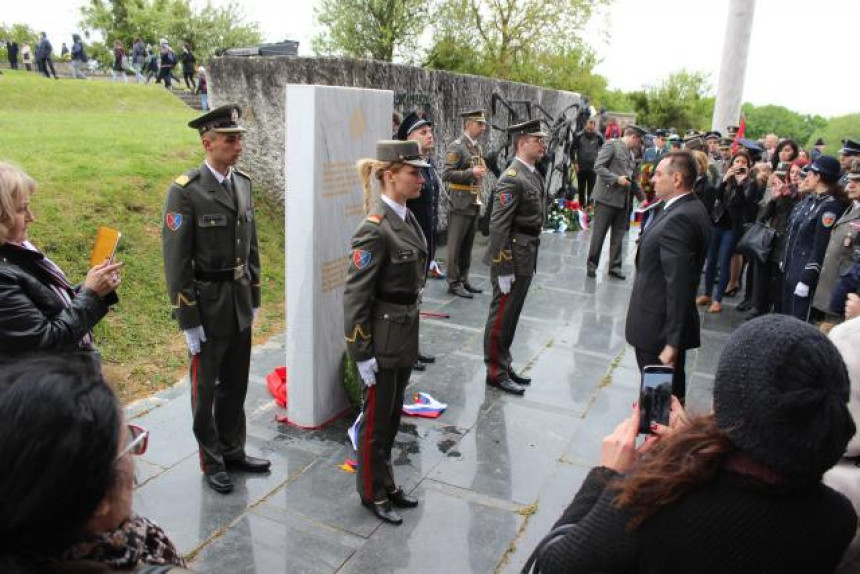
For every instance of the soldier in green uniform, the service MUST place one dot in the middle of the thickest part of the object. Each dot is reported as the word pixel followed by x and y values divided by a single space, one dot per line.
pixel 381 301
pixel 212 268
pixel 515 228
pixel 464 173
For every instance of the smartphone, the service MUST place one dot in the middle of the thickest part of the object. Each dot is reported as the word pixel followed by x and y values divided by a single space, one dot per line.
pixel 742 170
pixel 655 396
pixel 107 240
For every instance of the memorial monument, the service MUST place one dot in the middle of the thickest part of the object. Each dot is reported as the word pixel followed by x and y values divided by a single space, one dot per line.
pixel 328 129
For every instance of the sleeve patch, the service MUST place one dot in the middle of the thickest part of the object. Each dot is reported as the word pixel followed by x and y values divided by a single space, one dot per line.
pixel 511 172
pixel 505 198
pixel 452 157
pixel 374 219
pixel 173 221
pixel 182 180
pixel 361 258
pixel 828 219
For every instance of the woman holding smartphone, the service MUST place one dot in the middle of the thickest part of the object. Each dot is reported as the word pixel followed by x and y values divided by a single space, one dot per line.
pixel 39 309
pixel 733 197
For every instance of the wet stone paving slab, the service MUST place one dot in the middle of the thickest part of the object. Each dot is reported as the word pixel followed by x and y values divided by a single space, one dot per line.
pixel 492 474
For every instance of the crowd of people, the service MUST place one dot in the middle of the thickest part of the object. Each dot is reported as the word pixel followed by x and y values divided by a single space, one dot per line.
pixel 141 61
pixel 750 487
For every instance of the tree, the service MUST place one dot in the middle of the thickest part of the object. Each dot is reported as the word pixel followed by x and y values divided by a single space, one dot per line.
pixel 833 132
pixel 779 120
pixel 374 29
pixel 682 101
pixel 207 29
pixel 21 33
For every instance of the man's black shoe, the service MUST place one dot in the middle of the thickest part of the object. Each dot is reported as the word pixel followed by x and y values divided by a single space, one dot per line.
pixel 426 358
pixel 471 289
pixel 520 380
pixel 401 500
pixel 617 273
pixel 418 366
pixel 384 511
pixel 459 291
pixel 220 482
pixel 745 305
pixel 507 386
pixel 249 464
pixel 591 272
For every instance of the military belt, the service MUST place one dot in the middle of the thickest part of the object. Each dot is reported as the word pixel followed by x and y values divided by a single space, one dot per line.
pixel 461 187
pixel 398 298
pixel 232 274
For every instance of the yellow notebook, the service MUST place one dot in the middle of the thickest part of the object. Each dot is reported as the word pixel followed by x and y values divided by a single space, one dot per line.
pixel 107 240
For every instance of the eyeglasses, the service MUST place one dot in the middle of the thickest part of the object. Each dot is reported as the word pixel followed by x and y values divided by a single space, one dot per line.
pixel 136 442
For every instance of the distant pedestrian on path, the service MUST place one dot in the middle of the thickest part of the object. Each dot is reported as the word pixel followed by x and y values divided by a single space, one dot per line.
pixel 203 88
pixel 151 65
pixel 120 62
pixel 27 56
pixel 64 52
pixel 138 58
pixel 12 49
pixel 188 62
pixel 79 58
pixel 166 64
pixel 44 50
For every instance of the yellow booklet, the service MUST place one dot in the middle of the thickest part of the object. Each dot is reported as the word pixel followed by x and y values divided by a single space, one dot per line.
pixel 107 240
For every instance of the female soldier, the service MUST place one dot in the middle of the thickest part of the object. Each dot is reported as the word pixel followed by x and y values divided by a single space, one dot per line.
pixel 380 300
pixel 808 233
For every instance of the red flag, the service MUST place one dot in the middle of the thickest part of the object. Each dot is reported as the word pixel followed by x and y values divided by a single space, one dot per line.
pixel 741 129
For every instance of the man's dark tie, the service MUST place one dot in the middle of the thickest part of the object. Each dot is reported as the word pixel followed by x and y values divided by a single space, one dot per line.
pixel 227 184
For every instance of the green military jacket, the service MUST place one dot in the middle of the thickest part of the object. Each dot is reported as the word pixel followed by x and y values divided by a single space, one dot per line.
pixel 386 272
pixel 205 233
pixel 516 222
pixel 463 188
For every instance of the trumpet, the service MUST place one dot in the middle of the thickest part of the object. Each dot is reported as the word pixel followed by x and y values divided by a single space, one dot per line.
pixel 478 161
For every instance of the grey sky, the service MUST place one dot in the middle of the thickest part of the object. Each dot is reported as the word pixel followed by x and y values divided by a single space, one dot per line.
pixel 796 56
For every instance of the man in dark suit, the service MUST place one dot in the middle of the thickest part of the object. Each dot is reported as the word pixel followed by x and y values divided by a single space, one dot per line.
pixel 662 320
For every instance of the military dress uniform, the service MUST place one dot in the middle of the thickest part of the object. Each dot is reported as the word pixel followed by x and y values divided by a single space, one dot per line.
pixel 807 236
pixel 515 228
pixel 464 192
pixel 212 269
pixel 381 300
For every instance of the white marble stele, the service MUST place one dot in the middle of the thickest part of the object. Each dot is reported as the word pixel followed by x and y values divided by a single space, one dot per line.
pixel 328 129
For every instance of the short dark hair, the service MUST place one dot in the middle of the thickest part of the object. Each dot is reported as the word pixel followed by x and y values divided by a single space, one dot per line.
pixel 683 162
pixel 59 437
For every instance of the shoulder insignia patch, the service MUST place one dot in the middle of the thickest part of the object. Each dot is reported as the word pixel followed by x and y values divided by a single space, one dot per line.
pixel 828 219
pixel 452 157
pixel 511 172
pixel 182 180
pixel 374 219
pixel 505 198
pixel 173 221
pixel 361 258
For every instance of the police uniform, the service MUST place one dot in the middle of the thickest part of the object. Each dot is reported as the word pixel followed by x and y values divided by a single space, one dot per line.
pixel 384 280
pixel 212 269
pixel 849 148
pixel 515 228
pixel 464 192
pixel 808 233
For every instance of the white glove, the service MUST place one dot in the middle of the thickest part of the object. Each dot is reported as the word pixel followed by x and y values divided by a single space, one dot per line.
pixel 505 282
pixel 367 369
pixel 194 338
pixel 802 290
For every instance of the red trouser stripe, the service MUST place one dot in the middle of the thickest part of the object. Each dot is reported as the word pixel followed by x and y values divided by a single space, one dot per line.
pixel 494 339
pixel 366 455
pixel 195 359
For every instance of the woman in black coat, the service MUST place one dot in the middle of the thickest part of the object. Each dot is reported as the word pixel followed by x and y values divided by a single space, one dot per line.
pixel 39 308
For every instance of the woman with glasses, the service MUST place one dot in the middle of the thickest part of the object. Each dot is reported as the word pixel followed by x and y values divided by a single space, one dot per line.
pixel 66 481
pixel 40 310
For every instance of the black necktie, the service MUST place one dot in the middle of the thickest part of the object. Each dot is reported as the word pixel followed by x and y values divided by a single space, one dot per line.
pixel 228 187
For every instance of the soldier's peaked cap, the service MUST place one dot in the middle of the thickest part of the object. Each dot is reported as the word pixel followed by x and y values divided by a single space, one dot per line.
pixel 224 119
pixel 850 147
pixel 408 152
pixel 475 116
pixel 529 128
pixel 411 123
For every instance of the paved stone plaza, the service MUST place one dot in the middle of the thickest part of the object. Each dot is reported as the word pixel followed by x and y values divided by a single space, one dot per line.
pixel 492 473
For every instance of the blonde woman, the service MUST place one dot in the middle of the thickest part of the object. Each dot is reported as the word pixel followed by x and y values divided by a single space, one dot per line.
pixel 383 284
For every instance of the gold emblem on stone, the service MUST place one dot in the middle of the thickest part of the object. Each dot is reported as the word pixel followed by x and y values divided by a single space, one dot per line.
pixel 357 124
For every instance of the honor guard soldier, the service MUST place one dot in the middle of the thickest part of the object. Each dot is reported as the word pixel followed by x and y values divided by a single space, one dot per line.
pixel 212 268
pixel 381 300
pixel 849 152
pixel 515 228
pixel 464 173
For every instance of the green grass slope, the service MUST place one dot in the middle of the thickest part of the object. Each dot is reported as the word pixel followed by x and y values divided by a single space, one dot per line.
pixel 835 131
pixel 105 153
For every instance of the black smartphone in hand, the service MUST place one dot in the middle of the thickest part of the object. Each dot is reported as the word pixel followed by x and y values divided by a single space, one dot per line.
pixel 655 396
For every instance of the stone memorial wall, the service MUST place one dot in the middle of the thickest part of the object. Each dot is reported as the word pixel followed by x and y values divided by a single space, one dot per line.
pixel 328 129
pixel 259 84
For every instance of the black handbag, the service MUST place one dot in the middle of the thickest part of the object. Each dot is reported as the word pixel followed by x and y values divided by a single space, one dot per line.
pixel 757 241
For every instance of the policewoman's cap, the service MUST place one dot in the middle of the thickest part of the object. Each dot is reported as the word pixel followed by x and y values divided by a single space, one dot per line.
pixel 529 128
pixel 395 151
pixel 224 120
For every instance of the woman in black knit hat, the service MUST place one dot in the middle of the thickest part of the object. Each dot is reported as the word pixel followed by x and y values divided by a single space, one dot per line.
pixel 738 490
